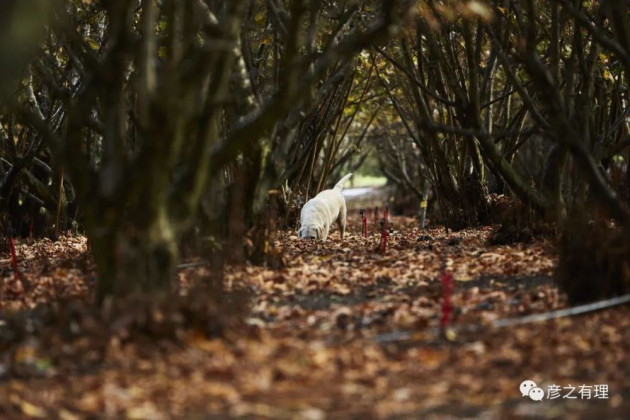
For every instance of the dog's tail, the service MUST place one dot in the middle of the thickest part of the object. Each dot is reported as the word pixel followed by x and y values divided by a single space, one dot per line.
pixel 342 181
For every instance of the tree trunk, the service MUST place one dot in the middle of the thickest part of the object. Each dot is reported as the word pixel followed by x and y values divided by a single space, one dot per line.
pixel 131 259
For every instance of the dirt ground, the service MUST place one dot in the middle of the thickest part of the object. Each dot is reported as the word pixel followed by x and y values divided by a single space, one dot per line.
pixel 341 331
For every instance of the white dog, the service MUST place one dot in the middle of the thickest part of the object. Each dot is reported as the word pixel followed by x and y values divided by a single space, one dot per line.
pixel 320 212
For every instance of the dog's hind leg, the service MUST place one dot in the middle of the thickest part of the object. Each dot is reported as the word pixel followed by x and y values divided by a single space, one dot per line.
pixel 341 220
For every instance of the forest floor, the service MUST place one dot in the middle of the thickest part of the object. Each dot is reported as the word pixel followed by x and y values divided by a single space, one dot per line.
pixel 341 331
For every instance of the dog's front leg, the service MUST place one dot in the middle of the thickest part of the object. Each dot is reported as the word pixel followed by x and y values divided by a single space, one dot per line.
pixel 326 230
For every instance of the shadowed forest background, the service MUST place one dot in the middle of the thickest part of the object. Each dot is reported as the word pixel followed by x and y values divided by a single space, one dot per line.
pixel 155 154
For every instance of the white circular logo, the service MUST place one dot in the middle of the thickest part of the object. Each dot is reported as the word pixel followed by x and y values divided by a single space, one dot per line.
pixel 527 386
pixel 536 394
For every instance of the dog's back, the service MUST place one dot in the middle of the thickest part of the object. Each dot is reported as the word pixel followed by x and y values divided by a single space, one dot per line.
pixel 331 199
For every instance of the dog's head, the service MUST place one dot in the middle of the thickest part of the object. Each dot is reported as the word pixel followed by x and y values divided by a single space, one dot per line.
pixel 311 232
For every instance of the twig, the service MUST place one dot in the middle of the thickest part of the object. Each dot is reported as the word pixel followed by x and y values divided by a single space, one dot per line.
pixel 509 322
pixel 561 313
pixel 59 201
pixel 192 265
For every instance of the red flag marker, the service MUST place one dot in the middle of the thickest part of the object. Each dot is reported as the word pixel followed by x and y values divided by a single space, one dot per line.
pixel 384 236
pixel 447 308
pixel 365 226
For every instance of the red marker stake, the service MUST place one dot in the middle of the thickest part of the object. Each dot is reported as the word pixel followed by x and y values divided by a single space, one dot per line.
pixel 14 263
pixel 384 236
pixel 447 308
pixel 364 220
